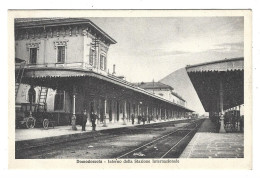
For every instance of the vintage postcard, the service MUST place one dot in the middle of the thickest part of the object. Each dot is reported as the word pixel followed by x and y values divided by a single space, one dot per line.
pixel 132 89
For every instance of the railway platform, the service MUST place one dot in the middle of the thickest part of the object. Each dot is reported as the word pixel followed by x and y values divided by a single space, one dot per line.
pixel 207 143
pixel 40 136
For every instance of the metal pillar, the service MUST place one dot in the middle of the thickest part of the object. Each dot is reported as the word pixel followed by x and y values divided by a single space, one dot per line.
pixel 221 93
pixel 165 115
pixel 160 118
pixel 73 118
pixel 147 114
pixel 105 112
pixel 125 114
pixel 238 124
pixel 114 110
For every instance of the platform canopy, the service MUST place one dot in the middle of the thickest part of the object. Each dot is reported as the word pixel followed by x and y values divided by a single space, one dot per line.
pixel 212 79
pixel 64 78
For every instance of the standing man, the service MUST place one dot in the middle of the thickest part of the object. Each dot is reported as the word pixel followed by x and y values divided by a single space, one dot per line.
pixel 139 118
pixel 93 118
pixel 143 119
pixel 133 119
pixel 84 120
pixel 149 118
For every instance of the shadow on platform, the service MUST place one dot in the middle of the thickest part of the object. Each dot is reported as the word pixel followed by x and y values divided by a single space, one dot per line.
pixel 208 126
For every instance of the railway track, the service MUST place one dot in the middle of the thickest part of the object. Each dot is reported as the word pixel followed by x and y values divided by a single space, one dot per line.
pixel 40 151
pixel 169 145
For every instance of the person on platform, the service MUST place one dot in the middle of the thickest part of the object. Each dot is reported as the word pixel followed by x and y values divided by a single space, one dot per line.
pixel 149 118
pixel 143 119
pixel 133 118
pixel 93 118
pixel 139 118
pixel 84 120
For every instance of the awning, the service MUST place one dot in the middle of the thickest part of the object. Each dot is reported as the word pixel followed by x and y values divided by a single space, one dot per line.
pixel 206 78
pixel 53 77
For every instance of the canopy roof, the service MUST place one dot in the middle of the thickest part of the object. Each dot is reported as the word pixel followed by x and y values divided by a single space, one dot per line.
pixel 221 65
pixel 153 85
pixel 53 77
pixel 206 79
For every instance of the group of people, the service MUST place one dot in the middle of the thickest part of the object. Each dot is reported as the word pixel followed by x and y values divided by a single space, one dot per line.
pixel 93 118
pixel 142 118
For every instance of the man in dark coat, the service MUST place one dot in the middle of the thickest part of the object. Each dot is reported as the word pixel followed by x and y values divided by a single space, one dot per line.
pixel 133 118
pixel 149 118
pixel 143 119
pixel 84 120
pixel 139 119
pixel 93 118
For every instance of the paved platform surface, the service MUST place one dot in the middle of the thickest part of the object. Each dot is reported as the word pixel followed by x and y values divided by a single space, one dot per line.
pixel 36 133
pixel 207 143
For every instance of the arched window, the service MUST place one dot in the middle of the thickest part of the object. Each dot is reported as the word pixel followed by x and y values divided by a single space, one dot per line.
pixel 32 95
pixel 59 100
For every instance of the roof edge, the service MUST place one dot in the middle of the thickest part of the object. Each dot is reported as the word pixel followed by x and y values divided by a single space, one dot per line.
pixel 214 62
pixel 58 21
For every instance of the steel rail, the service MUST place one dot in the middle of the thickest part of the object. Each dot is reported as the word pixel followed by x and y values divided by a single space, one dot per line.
pixel 179 142
pixel 160 138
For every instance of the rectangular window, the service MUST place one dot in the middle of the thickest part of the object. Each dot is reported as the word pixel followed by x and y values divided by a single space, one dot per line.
pixel 91 56
pixel 102 62
pixel 105 63
pixel 61 54
pixel 33 55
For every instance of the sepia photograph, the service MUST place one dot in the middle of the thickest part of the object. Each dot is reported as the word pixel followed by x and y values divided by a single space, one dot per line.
pixel 149 88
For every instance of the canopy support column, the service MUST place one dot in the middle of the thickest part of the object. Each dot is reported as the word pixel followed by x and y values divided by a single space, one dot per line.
pixel 221 93
pixel 73 118
pixel 160 118
pixel 125 114
pixel 165 114
pixel 138 110
pixel 105 112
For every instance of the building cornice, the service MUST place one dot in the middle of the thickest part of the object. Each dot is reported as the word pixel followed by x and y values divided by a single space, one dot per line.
pixel 62 27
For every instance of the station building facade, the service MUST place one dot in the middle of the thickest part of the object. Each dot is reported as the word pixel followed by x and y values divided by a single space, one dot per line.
pixel 68 57
pixel 162 90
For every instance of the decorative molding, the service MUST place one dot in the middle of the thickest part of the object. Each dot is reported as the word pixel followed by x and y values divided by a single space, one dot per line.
pixel 63 31
pixel 58 32
pixel 85 32
pixel 51 32
pixel 70 30
pixel 44 32
pixel 21 35
pixel 76 31
pixel 33 45
pixel 102 45
pixel 33 34
pixel 60 43
pixel 27 34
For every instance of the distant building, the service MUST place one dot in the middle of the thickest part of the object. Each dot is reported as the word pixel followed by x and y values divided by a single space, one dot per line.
pixel 162 90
